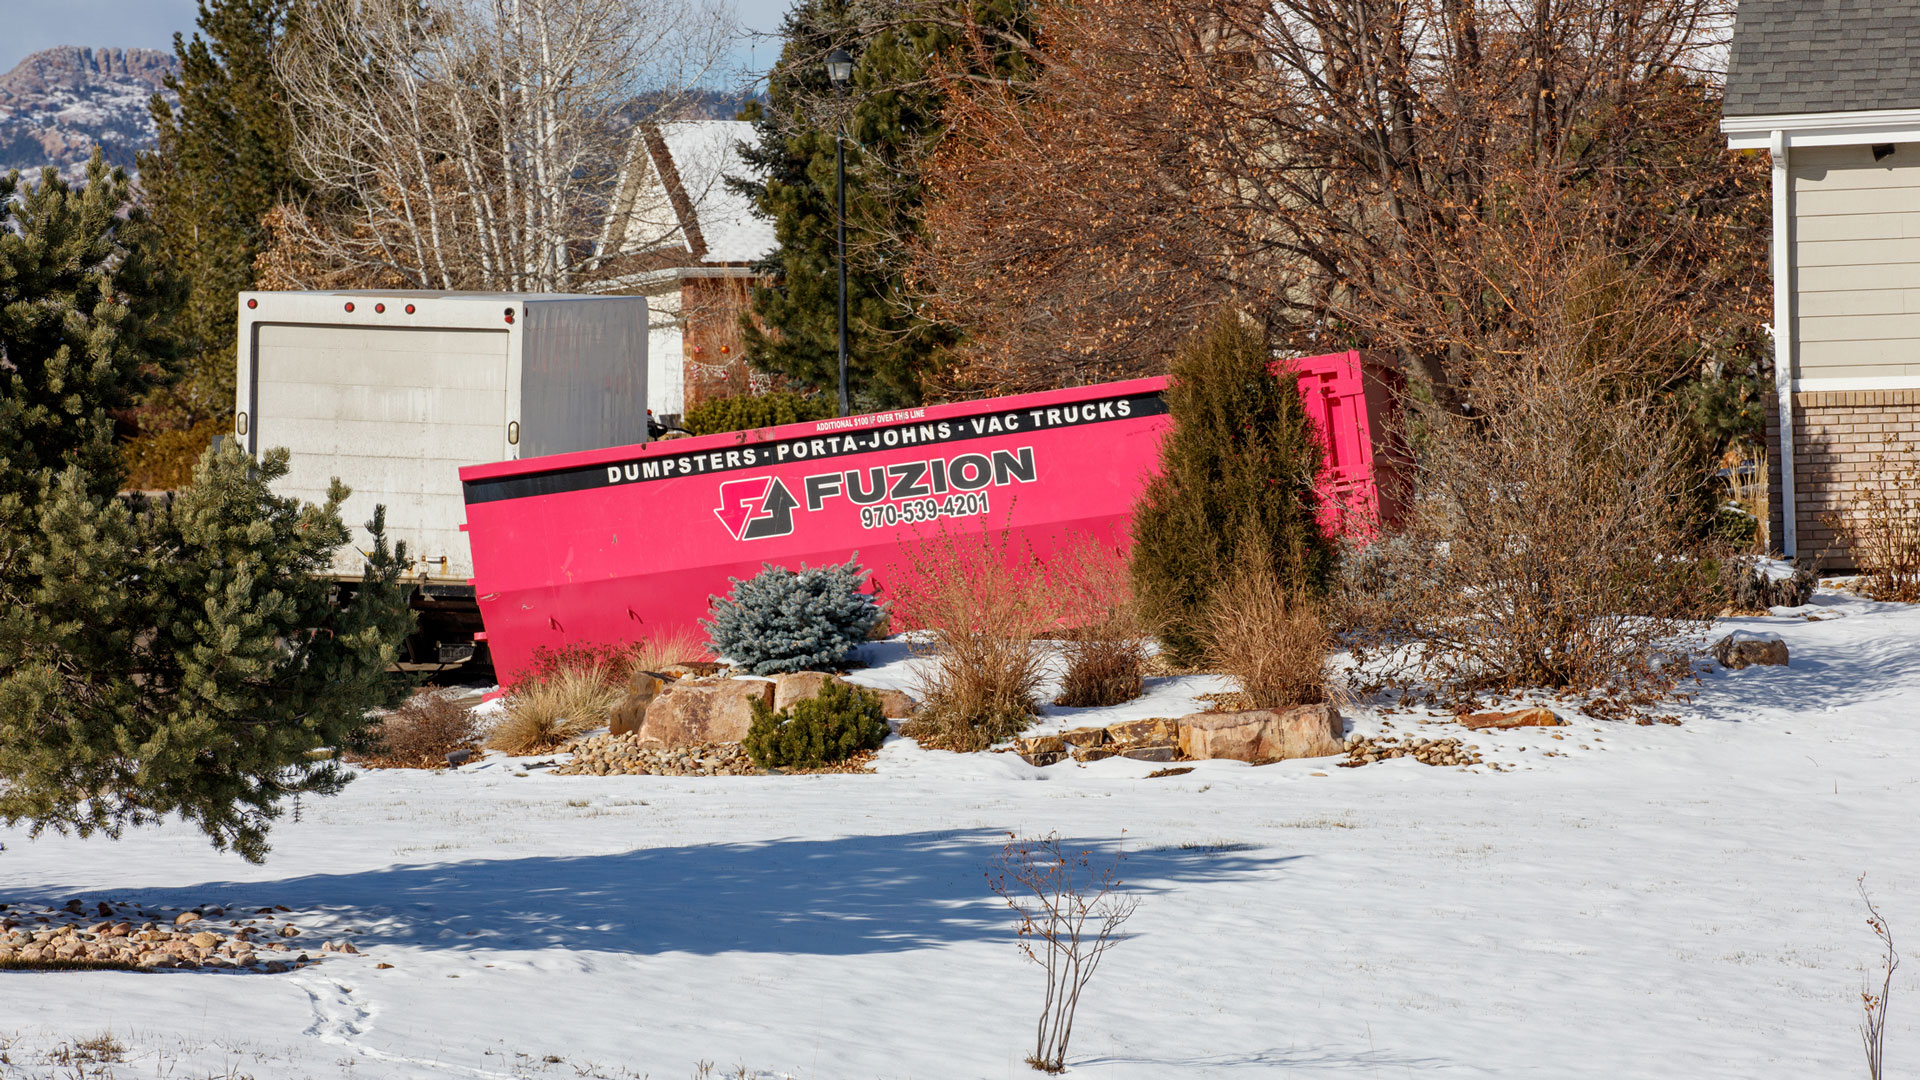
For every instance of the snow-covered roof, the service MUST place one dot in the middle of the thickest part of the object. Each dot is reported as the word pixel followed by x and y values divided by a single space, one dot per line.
pixel 675 196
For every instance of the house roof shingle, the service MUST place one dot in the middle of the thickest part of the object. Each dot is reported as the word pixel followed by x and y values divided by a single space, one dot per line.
pixel 1819 56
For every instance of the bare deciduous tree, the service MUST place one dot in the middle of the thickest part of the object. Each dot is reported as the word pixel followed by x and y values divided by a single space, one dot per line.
pixel 1341 166
pixel 460 144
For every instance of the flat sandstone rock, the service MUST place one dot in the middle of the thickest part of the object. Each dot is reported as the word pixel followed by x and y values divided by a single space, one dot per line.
pixel 1256 735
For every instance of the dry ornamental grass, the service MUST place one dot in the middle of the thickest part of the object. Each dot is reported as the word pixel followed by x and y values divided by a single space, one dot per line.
pixel 541 715
pixel 1270 640
pixel 980 601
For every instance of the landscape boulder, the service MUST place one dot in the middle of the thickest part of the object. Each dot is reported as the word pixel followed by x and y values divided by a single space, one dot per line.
pixel 694 712
pixel 1744 649
pixel 896 704
pixel 1256 735
pixel 800 686
pixel 1533 717
pixel 631 712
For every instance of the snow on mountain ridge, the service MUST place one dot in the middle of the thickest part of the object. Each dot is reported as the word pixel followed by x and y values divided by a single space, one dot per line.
pixel 58 103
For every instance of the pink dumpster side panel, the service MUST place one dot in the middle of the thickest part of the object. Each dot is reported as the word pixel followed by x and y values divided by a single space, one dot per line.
pixel 617 560
pixel 629 542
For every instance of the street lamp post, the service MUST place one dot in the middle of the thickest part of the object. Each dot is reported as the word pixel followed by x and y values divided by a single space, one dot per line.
pixel 840 71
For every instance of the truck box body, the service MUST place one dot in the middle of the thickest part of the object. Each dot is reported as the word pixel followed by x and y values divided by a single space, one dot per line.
pixel 393 392
pixel 628 542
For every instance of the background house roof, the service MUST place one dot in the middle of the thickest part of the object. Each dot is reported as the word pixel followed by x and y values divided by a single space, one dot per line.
pixel 675 202
pixel 1819 56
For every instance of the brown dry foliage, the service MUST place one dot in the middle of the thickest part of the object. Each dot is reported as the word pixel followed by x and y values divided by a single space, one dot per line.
pixel 979 598
pixel 420 734
pixel 542 714
pixel 1555 542
pixel 1105 644
pixel 1882 526
pixel 1271 640
pixel 1341 166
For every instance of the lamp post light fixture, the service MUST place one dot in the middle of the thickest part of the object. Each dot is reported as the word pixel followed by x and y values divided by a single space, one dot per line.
pixel 840 71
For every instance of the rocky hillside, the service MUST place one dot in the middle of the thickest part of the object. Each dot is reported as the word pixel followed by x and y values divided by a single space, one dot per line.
pixel 57 103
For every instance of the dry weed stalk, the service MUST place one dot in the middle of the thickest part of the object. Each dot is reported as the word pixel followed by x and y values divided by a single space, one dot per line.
pixel 1272 641
pixel 1068 914
pixel 1873 1027
pixel 979 599
pixel 1883 530
pixel 541 715
pixel 1106 640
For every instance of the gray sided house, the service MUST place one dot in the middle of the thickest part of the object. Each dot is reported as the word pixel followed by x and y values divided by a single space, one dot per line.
pixel 1830 89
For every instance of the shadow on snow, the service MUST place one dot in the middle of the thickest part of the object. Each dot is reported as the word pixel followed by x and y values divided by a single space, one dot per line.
pixel 845 896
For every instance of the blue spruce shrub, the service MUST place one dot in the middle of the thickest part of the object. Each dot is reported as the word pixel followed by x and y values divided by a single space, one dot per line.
pixel 779 620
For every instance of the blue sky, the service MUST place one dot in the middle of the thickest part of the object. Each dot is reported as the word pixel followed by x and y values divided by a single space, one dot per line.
pixel 32 25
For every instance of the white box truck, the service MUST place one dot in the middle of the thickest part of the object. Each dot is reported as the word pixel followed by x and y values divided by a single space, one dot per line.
pixel 393 391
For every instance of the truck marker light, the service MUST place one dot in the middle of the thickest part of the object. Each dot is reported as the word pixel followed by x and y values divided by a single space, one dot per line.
pixel 253 304
pixel 379 309
pixel 349 305
pixel 509 314
pixel 409 309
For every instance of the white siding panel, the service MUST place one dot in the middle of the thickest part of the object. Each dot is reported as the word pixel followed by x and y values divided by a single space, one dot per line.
pixel 1856 260
pixel 1858 301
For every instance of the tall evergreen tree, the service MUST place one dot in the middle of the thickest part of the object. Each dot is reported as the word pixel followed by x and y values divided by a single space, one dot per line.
pixel 891 118
pixel 221 161
pixel 1236 489
pixel 182 658
pixel 84 307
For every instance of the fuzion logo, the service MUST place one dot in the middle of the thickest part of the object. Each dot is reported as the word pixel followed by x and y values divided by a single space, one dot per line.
pixel 756 509
pixel 762 507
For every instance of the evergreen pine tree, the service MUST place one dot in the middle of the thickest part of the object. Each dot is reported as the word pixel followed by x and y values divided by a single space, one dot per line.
pixel 1236 485
pixel 221 161
pixel 891 114
pixel 83 312
pixel 182 658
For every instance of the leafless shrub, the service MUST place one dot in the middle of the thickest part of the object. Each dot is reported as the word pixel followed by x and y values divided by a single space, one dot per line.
pixel 420 734
pixel 1554 542
pixel 1883 527
pixel 1873 1027
pixel 542 714
pixel 1106 640
pixel 980 600
pixel 1068 913
pixel 1272 641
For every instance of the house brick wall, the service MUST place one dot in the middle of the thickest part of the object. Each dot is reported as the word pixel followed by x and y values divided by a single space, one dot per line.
pixel 1839 438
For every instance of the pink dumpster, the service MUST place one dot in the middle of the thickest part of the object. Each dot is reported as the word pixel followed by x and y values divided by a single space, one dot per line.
pixel 628 542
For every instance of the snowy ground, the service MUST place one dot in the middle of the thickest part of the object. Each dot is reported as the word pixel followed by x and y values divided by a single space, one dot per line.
pixel 1659 902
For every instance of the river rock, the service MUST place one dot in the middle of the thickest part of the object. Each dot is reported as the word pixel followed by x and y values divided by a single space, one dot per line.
pixel 689 713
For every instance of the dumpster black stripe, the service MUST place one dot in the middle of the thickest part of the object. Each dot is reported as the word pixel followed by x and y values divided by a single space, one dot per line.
pixel 891 436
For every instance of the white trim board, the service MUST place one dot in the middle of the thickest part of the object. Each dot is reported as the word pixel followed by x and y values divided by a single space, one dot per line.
pixel 1872 382
pixel 1862 128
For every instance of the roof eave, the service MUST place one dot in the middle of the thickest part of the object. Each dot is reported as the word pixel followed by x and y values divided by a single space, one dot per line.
pixel 1852 128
